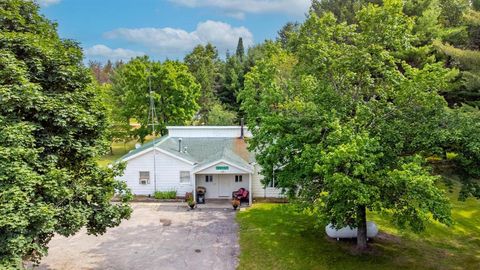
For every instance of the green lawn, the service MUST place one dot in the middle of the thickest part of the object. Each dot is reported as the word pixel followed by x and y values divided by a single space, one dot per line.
pixel 119 149
pixel 274 236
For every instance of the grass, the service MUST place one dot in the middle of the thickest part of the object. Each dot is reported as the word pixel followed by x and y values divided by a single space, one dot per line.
pixel 119 149
pixel 275 236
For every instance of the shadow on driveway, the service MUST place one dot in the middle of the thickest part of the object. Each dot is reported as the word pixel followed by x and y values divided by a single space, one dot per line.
pixel 155 237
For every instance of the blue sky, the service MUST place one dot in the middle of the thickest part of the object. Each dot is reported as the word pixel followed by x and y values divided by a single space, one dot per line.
pixel 121 29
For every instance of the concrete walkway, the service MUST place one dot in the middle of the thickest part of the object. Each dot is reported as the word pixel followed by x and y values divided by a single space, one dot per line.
pixel 157 236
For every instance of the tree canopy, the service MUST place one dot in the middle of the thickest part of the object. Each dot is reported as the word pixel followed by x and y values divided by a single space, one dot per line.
pixel 174 91
pixel 449 27
pixel 343 120
pixel 52 131
pixel 204 64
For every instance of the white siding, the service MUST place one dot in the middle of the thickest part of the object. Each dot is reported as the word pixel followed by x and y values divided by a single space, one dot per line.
pixel 227 182
pixel 167 178
pixel 259 191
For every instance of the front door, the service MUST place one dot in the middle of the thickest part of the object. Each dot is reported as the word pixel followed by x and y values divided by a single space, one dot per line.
pixel 210 183
pixel 225 185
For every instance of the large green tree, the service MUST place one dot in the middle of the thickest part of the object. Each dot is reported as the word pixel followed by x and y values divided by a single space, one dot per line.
pixel 344 122
pixel 204 64
pixel 447 27
pixel 52 130
pixel 174 92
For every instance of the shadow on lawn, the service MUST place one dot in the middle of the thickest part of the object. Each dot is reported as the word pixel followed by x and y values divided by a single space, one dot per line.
pixel 278 237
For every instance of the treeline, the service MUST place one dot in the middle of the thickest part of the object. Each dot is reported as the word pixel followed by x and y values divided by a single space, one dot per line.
pixel 200 90
pixel 203 89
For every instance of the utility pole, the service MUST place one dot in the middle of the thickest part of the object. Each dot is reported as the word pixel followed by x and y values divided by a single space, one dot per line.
pixel 152 121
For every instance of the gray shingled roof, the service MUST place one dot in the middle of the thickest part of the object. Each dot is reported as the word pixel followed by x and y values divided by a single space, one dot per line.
pixel 203 151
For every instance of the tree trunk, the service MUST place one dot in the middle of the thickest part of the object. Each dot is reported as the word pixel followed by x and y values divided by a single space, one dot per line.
pixel 362 228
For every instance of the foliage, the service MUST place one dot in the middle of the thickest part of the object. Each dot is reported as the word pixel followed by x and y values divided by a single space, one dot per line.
pixel 344 121
pixel 284 35
pixel 453 25
pixel 104 72
pixel 240 52
pixel 174 92
pixel 461 137
pixel 266 229
pixel 52 131
pixel 232 83
pixel 118 129
pixel 163 195
pixel 219 116
pixel 468 89
pixel 204 64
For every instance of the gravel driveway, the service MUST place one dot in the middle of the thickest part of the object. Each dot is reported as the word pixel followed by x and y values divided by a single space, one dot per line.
pixel 157 236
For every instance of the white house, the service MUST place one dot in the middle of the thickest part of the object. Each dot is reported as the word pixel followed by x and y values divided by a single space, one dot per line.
pixel 214 157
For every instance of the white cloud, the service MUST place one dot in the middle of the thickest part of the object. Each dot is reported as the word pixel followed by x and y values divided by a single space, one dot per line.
pixel 235 14
pixel 173 41
pixel 46 3
pixel 102 53
pixel 238 8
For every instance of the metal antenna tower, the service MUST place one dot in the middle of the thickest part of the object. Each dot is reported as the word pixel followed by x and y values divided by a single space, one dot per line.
pixel 153 121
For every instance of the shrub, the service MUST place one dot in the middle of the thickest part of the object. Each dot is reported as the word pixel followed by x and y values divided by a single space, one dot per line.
pixel 161 195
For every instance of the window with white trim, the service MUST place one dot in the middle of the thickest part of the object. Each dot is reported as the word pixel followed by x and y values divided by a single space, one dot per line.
pixel 272 183
pixel 144 178
pixel 184 177
pixel 208 178
pixel 238 178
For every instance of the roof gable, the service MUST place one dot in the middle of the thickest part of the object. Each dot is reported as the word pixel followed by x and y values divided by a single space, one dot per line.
pixel 221 166
pixel 200 151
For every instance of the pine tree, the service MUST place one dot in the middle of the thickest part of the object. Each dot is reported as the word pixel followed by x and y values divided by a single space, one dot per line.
pixel 240 50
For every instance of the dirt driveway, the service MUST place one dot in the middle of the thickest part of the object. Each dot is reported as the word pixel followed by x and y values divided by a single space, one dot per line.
pixel 157 236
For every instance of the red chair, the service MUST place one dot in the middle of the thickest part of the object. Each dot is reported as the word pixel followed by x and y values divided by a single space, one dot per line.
pixel 241 194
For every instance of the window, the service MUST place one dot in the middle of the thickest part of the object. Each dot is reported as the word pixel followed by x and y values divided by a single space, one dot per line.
pixel 185 177
pixel 238 178
pixel 272 183
pixel 208 178
pixel 144 178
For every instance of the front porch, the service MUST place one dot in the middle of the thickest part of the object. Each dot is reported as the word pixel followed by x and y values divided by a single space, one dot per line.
pixel 221 179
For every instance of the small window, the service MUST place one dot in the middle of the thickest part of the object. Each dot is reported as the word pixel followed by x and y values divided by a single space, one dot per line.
pixel 185 177
pixel 208 178
pixel 144 178
pixel 238 178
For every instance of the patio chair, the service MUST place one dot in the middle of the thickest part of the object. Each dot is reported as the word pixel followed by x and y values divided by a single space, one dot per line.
pixel 241 194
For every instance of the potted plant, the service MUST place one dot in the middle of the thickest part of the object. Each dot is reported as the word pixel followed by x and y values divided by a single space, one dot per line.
pixel 191 203
pixel 235 203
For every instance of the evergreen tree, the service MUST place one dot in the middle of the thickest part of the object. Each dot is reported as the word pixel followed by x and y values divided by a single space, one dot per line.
pixel 240 50
pixel 454 23
pixel 284 35
pixel 232 83
pixel 204 64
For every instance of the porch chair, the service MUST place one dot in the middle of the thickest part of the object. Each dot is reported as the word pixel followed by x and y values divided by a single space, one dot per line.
pixel 242 195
